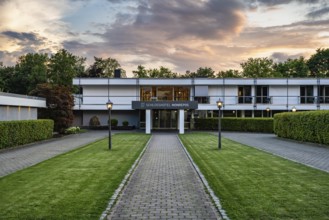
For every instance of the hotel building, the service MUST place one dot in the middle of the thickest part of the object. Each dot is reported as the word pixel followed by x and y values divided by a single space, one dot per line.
pixel 152 103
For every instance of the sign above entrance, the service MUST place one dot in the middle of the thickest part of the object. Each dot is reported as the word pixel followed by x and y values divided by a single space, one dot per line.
pixel 165 105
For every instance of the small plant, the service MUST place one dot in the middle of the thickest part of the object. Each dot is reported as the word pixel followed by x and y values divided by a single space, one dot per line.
pixel 72 130
pixel 114 122
pixel 125 123
pixel 94 121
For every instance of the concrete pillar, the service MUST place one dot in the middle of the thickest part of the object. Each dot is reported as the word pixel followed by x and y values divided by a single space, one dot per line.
pixel 148 124
pixel 181 121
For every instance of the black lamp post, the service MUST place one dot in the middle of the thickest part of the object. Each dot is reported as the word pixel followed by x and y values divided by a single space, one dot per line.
pixel 219 106
pixel 268 111
pixel 109 105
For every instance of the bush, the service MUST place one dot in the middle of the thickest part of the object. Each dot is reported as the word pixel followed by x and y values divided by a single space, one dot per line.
pixel 14 133
pixel 94 121
pixel 310 126
pixel 236 124
pixel 114 122
pixel 72 130
pixel 125 123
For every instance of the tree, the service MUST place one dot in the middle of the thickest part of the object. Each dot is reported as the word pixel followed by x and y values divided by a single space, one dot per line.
pixel 63 67
pixel 202 72
pixel 59 101
pixel 291 68
pixel 141 72
pixel 257 68
pixel 30 70
pixel 229 74
pixel 319 63
pixel 104 68
pixel 7 76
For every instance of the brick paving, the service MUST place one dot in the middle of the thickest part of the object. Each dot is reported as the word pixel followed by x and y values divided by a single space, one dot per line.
pixel 15 159
pixel 164 186
pixel 312 155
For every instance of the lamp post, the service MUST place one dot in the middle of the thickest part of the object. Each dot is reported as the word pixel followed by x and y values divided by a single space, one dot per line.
pixel 219 106
pixel 294 109
pixel 268 111
pixel 109 105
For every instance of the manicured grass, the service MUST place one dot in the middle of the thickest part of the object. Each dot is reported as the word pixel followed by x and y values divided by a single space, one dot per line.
pixel 252 184
pixel 75 185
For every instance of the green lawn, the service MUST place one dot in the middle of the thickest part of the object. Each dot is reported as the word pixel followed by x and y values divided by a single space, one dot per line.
pixel 75 185
pixel 252 184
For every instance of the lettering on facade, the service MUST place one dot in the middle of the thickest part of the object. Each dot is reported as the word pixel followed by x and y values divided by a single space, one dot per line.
pixel 165 105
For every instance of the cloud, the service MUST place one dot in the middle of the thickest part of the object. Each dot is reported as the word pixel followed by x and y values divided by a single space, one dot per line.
pixel 318 13
pixel 281 57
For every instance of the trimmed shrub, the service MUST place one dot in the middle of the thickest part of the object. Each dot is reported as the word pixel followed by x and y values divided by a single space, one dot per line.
pixel 125 123
pixel 264 125
pixel 14 133
pixel 72 130
pixel 94 121
pixel 309 126
pixel 114 122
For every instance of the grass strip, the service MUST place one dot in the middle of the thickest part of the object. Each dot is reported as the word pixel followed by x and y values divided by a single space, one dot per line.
pixel 75 185
pixel 252 184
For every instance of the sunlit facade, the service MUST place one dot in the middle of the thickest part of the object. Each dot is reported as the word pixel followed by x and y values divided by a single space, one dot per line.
pixel 173 104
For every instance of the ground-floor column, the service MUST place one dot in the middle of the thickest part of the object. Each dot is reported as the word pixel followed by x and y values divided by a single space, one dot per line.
pixel 148 121
pixel 181 121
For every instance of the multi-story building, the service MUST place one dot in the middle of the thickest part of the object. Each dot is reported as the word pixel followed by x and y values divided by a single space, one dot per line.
pixel 173 103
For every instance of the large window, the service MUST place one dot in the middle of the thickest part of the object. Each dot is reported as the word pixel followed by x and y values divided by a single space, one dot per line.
pixel 262 94
pixel 244 94
pixel 323 94
pixel 306 95
pixel 164 93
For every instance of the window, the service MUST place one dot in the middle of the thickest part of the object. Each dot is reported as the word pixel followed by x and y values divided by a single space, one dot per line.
pixel 262 94
pixel 323 94
pixel 244 94
pixel 306 94
pixel 202 100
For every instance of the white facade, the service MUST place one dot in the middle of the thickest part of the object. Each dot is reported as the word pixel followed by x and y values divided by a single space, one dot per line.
pixel 19 107
pixel 241 97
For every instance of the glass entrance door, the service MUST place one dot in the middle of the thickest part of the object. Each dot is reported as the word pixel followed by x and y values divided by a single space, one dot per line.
pixel 164 119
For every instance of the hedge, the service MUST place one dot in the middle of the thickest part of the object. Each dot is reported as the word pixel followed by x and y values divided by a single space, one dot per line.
pixel 14 133
pixel 309 126
pixel 264 125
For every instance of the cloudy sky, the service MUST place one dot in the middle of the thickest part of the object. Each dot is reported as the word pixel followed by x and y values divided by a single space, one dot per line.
pixel 178 34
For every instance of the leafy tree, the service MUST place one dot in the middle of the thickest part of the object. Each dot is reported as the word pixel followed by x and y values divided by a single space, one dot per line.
pixel 60 104
pixel 30 70
pixel 229 74
pixel 257 68
pixel 63 67
pixel 202 72
pixel 7 76
pixel 104 68
pixel 319 63
pixel 141 72
pixel 291 68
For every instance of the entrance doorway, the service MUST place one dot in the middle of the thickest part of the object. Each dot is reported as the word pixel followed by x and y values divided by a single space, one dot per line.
pixel 164 119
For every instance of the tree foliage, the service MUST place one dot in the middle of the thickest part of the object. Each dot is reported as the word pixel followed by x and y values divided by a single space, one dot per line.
pixel 59 101
pixel 257 68
pixel 104 68
pixel 63 67
pixel 163 72
pixel 291 68
pixel 229 74
pixel 319 63
pixel 202 72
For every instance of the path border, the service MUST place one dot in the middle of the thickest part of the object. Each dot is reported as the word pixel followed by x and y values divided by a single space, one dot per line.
pixel 213 197
pixel 123 183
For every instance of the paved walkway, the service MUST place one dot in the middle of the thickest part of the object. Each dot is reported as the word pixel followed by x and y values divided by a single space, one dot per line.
pixel 306 153
pixel 19 158
pixel 164 186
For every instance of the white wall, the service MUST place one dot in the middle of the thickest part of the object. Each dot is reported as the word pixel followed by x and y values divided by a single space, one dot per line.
pixel 9 113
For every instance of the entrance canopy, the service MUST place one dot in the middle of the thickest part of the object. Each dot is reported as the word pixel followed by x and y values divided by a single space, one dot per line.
pixel 165 105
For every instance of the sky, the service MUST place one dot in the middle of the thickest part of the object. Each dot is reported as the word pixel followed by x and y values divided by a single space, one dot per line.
pixel 182 35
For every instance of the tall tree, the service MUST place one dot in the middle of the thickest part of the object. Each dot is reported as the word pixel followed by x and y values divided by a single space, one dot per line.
pixel 229 74
pixel 141 72
pixel 104 68
pixel 319 63
pixel 202 72
pixel 7 79
pixel 291 68
pixel 257 68
pixel 63 67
